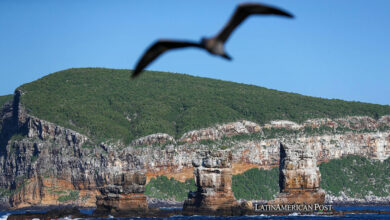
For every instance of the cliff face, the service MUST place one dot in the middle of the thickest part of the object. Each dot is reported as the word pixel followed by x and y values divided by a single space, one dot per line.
pixel 45 164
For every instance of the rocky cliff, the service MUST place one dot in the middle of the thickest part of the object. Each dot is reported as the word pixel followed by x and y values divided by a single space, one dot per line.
pixel 125 194
pixel 213 177
pixel 46 164
pixel 299 176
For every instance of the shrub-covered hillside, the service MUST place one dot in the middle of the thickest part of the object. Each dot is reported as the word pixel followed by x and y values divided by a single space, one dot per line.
pixel 105 103
pixel 163 188
pixel 356 177
pixel 4 99
pixel 256 184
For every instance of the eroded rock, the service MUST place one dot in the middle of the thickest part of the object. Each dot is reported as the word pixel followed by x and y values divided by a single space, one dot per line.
pixel 125 195
pixel 159 138
pixel 299 177
pixel 220 131
pixel 213 177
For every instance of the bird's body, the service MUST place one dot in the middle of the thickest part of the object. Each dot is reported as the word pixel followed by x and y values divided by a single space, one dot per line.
pixel 214 45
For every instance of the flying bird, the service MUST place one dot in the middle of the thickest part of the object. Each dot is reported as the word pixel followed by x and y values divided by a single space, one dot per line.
pixel 214 45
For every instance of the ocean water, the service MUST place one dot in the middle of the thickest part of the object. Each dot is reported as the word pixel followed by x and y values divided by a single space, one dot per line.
pixel 4 215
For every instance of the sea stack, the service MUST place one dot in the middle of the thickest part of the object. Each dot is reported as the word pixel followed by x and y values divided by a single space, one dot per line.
pixel 299 176
pixel 126 195
pixel 213 177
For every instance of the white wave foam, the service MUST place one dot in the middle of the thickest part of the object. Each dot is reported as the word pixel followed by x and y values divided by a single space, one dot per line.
pixel 4 217
pixel 294 214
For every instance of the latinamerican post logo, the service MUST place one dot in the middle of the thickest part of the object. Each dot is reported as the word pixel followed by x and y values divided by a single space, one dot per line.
pixel 293 208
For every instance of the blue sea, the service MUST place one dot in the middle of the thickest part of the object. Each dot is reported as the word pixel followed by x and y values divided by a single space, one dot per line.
pixel 4 215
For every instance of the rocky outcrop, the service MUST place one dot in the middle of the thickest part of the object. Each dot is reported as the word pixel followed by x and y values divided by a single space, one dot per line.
pixel 175 160
pixel 343 199
pixel 220 131
pixel 213 177
pixel 126 194
pixel 159 138
pixel 283 124
pixel 351 123
pixel 299 177
pixel 37 128
pixel 335 138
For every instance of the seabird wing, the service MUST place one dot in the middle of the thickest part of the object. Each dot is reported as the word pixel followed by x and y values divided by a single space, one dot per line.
pixel 242 12
pixel 156 50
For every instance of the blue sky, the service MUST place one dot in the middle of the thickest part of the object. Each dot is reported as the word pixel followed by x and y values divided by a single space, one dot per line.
pixel 332 49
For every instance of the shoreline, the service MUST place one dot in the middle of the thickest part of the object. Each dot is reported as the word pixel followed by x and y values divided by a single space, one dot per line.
pixel 74 213
pixel 168 204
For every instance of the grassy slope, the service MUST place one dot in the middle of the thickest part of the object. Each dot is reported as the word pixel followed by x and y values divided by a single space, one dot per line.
pixel 354 175
pixel 256 184
pixel 104 103
pixel 163 188
pixel 4 99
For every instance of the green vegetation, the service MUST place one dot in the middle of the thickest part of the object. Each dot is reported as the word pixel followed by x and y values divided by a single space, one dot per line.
pixel 267 134
pixel 58 192
pixel 9 192
pixel 34 158
pixel 164 188
pixel 16 137
pixel 106 104
pixel 12 149
pixel 5 192
pixel 4 99
pixel 356 177
pixel 257 184
pixel 88 145
pixel 72 196
pixel 223 147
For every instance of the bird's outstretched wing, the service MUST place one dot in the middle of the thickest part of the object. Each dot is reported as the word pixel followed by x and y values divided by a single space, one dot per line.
pixel 156 50
pixel 242 12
